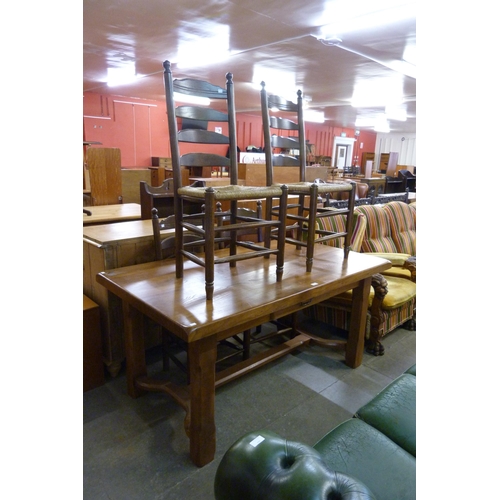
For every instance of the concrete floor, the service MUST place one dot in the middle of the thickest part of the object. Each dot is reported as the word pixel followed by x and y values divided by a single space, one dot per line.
pixel 137 449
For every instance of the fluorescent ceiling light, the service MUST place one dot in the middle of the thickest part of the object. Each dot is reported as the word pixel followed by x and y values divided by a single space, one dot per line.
pixel 378 92
pixel 311 115
pixel 278 82
pixel 364 14
pixel 364 122
pixel 209 47
pixel 410 54
pixel 121 76
pixel 382 125
pixel 395 113
pixel 191 99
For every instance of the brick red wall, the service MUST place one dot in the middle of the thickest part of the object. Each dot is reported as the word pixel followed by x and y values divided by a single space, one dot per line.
pixel 139 128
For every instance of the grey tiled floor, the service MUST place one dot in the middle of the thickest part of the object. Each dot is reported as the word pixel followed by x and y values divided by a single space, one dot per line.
pixel 137 449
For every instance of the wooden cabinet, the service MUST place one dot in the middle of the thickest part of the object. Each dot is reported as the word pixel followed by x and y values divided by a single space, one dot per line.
pixel 104 166
pixel 388 163
pixel 254 174
pixel 367 157
pixel 109 246
pixel 376 185
pixel 160 161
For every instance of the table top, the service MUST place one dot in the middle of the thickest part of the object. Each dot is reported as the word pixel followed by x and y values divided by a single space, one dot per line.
pixel 112 213
pixel 119 232
pixel 212 181
pixel 244 296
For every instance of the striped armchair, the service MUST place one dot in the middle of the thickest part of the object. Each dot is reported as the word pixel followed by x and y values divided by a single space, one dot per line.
pixel 389 232
pixel 338 225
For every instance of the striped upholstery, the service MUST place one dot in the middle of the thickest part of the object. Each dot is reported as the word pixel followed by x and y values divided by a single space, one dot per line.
pixel 378 230
pixel 337 224
pixel 380 238
pixel 402 220
pixel 413 207
pixel 339 316
pixel 397 308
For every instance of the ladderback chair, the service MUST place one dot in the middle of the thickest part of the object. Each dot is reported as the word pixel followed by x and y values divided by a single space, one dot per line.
pixel 211 234
pixel 307 213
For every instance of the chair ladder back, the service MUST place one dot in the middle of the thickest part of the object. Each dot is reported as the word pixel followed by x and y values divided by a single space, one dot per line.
pixel 286 142
pixel 208 225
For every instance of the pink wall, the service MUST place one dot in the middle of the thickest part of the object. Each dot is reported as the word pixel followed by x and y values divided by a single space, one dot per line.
pixel 139 128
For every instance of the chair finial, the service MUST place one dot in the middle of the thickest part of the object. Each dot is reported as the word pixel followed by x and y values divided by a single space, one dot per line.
pixel 166 65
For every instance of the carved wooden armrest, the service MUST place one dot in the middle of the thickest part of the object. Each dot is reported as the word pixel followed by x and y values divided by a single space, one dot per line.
pixel 411 265
pixel 373 344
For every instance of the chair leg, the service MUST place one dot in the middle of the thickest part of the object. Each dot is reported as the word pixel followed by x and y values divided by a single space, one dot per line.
pixel 313 206
pixel 247 337
pixel 280 258
pixel 300 212
pixel 209 243
pixel 349 221
pixel 165 341
pixel 179 238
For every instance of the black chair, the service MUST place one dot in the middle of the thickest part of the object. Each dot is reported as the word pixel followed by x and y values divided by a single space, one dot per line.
pixel 194 129
pixel 307 214
pixel 387 198
pixel 409 180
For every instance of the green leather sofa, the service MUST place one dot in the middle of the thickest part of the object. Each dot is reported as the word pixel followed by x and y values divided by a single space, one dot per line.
pixel 370 456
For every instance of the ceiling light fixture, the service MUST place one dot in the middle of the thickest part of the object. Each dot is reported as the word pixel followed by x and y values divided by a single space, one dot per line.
pixel 191 99
pixel 363 15
pixel 121 76
pixel 310 115
pixel 211 46
pixel 382 126
pixel 397 113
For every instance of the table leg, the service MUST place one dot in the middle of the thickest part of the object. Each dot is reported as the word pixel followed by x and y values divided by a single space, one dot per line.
pixel 202 356
pixel 356 339
pixel 134 348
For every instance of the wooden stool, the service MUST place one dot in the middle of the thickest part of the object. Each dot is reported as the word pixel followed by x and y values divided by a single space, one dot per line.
pixel 93 367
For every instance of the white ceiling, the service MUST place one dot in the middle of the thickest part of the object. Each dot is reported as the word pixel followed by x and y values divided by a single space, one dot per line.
pixel 262 37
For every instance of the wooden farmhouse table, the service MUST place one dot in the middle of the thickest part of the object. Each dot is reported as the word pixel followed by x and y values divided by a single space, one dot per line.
pixel 104 214
pixel 245 296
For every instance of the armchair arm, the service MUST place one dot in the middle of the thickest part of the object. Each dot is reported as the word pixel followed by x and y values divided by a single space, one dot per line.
pixel 399 262
pixel 403 292
pixel 411 265
pixel 373 344
pixel 262 465
pixel 396 259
